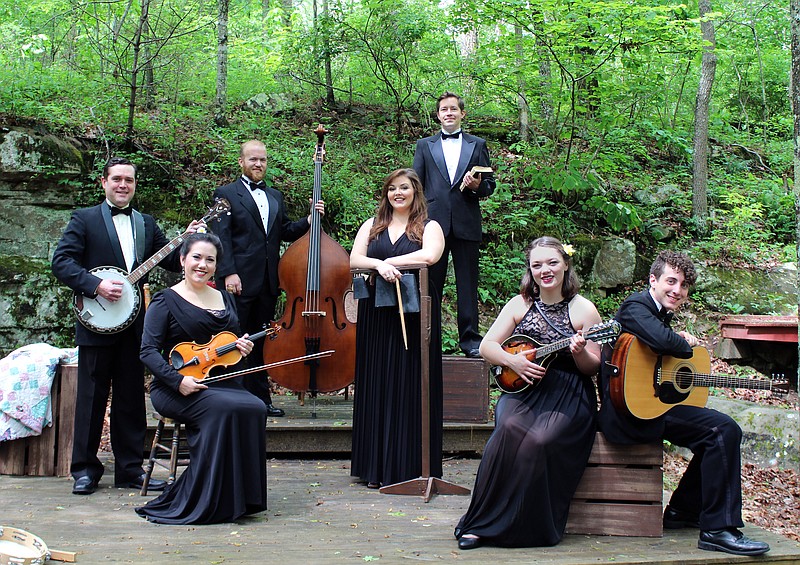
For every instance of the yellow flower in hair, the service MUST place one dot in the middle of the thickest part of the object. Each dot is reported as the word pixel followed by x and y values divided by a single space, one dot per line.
pixel 568 249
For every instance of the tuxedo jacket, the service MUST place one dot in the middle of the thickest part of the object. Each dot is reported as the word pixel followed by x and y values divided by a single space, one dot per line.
pixel 90 240
pixel 247 249
pixel 638 315
pixel 457 212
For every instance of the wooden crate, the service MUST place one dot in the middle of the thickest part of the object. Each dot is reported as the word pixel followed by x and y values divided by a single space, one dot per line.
pixel 466 389
pixel 621 491
pixel 50 453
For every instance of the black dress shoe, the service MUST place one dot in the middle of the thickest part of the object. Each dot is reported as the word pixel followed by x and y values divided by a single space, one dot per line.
pixel 731 540
pixel 274 412
pixel 473 353
pixel 469 543
pixel 138 482
pixel 84 485
pixel 675 519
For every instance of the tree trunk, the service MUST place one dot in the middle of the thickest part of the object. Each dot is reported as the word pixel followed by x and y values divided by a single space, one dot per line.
pixel 330 99
pixel 522 103
pixel 137 47
pixel 288 8
pixel 149 74
pixel 708 68
pixel 794 87
pixel 221 98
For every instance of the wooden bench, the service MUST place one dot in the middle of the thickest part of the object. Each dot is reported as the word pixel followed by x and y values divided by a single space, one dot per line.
pixel 621 491
pixel 50 453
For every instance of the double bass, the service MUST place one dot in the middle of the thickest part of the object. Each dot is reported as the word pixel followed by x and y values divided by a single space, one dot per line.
pixel 315 274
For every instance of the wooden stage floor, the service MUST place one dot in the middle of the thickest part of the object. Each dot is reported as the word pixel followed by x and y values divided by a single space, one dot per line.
pixel 318 514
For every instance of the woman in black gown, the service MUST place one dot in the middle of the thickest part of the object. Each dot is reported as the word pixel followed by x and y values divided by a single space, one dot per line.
pixel 227 473
pixel 536 455
pixel 387 427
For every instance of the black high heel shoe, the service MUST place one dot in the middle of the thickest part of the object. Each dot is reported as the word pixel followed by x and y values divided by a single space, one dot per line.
pixel 469 543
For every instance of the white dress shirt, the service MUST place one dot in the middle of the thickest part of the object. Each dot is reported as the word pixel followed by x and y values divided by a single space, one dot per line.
pixel 452 153
pixel 124 227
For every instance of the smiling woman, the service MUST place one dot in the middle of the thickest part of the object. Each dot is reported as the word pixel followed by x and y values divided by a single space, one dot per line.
pixel 226 477
pixel 544 434
pixel 387 373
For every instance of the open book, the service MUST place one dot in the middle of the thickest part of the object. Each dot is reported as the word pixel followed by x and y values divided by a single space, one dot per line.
pixel 475 170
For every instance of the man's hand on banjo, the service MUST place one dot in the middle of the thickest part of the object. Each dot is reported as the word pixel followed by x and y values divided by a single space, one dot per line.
pixel 110 289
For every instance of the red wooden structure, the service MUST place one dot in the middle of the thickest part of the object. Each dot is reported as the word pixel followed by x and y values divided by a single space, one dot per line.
pixel 760 328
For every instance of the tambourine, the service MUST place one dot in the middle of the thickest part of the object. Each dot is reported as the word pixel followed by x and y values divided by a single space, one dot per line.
pixel 18 547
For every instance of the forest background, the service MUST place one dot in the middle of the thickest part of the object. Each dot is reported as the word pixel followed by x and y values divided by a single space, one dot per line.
pixel 666 123
pixel 672 125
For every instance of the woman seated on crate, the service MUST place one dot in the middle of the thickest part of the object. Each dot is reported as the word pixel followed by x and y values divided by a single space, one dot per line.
pixel 226 477
pixel 544 433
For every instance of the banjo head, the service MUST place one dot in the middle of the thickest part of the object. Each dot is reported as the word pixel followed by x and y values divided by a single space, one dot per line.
pixel 101 316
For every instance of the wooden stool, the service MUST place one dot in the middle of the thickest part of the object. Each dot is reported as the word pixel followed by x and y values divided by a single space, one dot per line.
pixel 172 449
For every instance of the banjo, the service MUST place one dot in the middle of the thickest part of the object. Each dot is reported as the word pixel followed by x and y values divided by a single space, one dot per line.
pixel 102 316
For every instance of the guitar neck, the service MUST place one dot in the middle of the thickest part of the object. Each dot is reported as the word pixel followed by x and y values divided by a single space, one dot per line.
pixel 724 381
pixel 159 256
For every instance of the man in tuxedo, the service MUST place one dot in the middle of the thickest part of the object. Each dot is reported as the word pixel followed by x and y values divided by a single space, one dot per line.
pixel 251 236
pixel 444 163
pixel 709 495
pixel 109 234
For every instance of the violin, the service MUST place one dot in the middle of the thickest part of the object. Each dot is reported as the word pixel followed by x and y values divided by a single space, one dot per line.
pixel 196 360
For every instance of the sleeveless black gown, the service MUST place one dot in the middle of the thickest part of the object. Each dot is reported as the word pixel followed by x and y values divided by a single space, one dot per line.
pixel 536 455
pixel 225 424
pixel 387 427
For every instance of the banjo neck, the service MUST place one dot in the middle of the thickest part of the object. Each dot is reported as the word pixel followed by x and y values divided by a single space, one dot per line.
pixel 221 206
pixel 159 255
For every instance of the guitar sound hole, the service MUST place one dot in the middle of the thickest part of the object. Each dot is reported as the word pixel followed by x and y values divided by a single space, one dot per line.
pixel 683 379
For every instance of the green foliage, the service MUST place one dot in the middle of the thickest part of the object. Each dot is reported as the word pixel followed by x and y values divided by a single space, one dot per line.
pixel 501 269
pixel 610 93
pixel 621 217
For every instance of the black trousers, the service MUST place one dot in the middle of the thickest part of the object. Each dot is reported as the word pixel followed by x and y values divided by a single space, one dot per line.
pixel 118 370
pixel 712 485
pixel 254 312
pixel 465 265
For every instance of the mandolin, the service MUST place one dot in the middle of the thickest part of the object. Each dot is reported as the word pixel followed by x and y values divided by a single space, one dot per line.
pixel 508 381
pixel 648 384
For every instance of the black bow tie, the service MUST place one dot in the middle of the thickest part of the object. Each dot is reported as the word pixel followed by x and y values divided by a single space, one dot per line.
pixel 455 135
pixel 254 185
pixel 127 211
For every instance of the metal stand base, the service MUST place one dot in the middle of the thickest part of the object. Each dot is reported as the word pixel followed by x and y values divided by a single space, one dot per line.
pixel 425 487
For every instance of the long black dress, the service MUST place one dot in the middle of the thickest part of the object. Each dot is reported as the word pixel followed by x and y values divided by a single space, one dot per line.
pixel 387 425
pixel 227 473
pixel 536 455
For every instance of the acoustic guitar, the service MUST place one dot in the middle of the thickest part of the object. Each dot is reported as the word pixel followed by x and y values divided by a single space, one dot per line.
pixel 508 381
pixel 648 384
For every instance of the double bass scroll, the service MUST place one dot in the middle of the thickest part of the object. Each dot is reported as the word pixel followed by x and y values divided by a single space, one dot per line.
pixel 315 274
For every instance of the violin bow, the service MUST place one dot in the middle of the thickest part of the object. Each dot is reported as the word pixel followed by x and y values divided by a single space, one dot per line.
pixel 319 355
pixel 402 314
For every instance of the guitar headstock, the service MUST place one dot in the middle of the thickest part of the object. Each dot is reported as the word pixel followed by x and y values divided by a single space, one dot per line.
pixel 272 331
pixel 221 206
pixel 779 384
pixel 605 332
